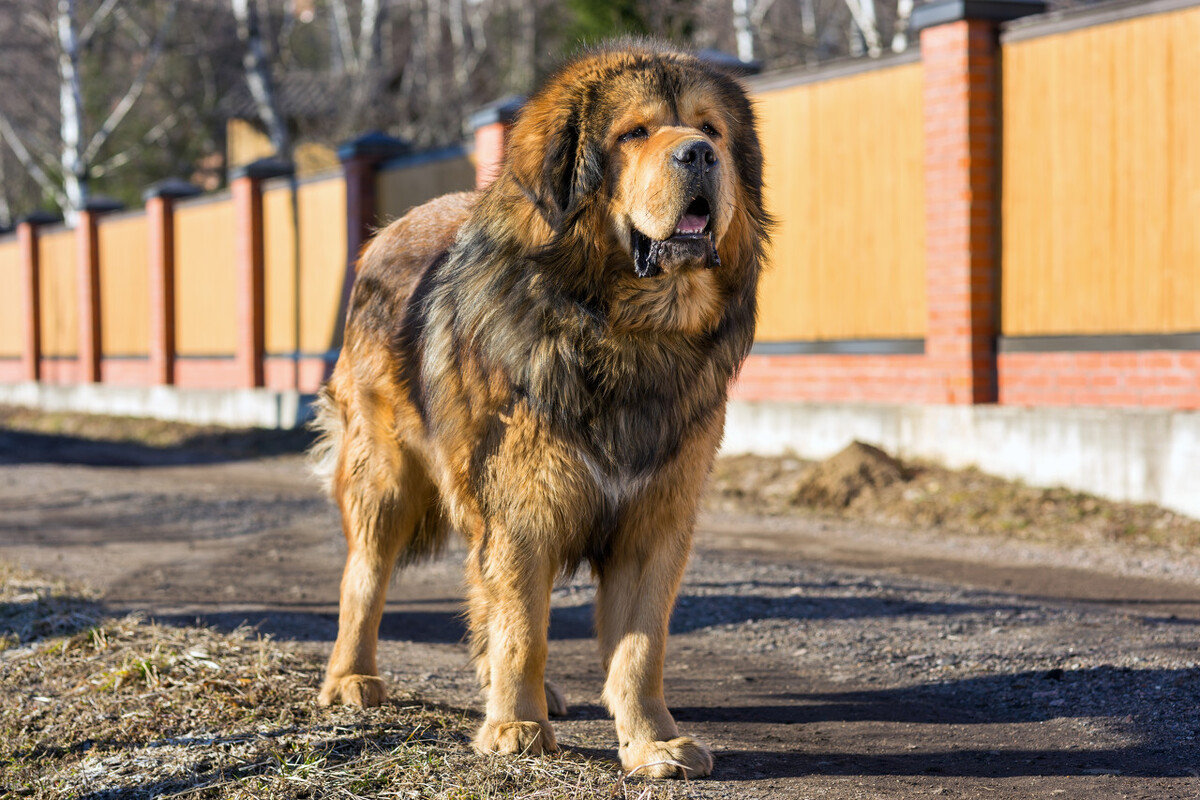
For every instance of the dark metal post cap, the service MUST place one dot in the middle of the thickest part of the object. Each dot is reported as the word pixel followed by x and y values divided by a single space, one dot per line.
pixel 41 217
pixel 730 63
pixel 942 12
pixel 171 189
pixel 372 146
pixel 100 204
pixel 262 169
pixel 503 110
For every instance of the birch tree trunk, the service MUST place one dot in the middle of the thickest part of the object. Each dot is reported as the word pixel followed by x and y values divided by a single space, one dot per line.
pixel 904 10
pixel 742 30
pixel 70 102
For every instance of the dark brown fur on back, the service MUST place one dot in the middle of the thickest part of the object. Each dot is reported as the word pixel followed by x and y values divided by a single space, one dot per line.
pixel 515 368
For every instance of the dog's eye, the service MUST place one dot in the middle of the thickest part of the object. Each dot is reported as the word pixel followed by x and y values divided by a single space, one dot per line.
pixel 639 132
pixel 710 131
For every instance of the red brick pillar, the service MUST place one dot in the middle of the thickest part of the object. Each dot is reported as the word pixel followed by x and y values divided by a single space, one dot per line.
pixel 490 125
pixel 360 159
pixel 160 224
pixel 961 59
pixel 31 293
pixel 87 265
pixel 246 188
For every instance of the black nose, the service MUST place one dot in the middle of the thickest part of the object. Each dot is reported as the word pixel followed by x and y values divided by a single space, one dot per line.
pixel 697 155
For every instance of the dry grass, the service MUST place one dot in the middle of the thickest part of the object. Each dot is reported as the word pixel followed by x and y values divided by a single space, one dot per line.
pixel 100 707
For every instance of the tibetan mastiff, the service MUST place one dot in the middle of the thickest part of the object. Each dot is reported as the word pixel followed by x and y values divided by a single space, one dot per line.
pixel 543 367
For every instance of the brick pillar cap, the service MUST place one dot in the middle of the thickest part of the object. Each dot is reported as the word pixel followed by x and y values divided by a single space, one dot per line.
pixel 503 110
pixel 100 204
pixel 262 169
pixel 942 12
pixel 41 218
pixel 171 189
pixel 373 146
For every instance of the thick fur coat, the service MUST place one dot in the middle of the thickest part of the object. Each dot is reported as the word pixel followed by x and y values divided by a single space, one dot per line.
pixel 543 367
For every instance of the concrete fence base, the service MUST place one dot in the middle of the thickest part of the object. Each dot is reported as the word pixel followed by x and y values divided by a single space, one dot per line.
pixel 1140 455
pixel 258 408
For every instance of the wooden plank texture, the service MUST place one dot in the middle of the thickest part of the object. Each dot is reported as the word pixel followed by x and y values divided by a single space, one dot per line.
pixel 844 175
pixel 1102 180
pixel 205 279
pixel 124 285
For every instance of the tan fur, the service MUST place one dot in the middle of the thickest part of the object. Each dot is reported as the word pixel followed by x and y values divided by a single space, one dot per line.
pixel 508 375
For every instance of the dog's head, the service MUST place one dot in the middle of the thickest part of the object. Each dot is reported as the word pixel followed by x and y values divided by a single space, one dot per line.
pixel 649 156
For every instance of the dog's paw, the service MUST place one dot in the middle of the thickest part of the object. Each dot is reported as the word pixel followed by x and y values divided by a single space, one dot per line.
pixel 364 691
pixel 556 701
pixel 516 738
pixel 682 757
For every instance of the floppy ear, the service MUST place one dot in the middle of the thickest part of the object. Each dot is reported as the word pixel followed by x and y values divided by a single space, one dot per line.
pixel 556 187
pixel 555 163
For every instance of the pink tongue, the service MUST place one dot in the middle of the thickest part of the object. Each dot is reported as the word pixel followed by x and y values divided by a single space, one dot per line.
pixel 692 223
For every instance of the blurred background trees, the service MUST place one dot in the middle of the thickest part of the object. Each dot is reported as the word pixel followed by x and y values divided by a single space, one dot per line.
pixel 103 97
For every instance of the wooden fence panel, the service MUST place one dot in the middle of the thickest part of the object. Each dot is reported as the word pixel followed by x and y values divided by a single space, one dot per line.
pixel 205 278
pixel 12 309
pixel 845 177
pixel 124 285
pixel 59 292
pixel 1101 164
pixel 428 176
pixel 321 212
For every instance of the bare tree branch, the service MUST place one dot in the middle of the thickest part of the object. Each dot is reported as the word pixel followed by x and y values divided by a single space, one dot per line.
pixel 368 34
pixel 17 145
pixel 863 12
pixel 258 75
pixel 345 39
pixel 89 30
pixel 135 89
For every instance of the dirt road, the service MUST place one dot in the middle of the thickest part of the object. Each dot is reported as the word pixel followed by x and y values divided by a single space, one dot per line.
pixel 818 658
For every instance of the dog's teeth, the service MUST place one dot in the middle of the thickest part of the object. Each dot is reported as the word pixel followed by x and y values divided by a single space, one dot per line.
pixel 691 223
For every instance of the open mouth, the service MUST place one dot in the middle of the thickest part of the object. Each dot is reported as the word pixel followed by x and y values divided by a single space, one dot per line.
pixel 695 219
pixel 694 225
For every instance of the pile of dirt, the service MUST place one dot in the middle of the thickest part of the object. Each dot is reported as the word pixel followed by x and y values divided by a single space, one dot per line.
pixel 863 482
pixel 841 479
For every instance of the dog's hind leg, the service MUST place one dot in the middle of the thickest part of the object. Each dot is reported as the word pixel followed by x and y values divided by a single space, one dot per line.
pixel 385 498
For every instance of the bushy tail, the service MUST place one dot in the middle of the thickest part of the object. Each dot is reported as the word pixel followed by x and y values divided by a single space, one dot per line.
pixel 327 423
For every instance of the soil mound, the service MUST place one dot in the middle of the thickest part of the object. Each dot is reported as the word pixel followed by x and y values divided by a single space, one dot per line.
pixel 840 479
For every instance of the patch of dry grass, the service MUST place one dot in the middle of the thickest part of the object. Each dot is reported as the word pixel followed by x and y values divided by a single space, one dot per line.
pixel 102 708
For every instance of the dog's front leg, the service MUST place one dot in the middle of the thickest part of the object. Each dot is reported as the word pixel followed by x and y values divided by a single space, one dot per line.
pixel 633 606
pixel 510 614
pixel 636 593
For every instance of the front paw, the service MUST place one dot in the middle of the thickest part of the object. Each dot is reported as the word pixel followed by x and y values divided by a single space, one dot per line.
pixel 516 738
pixel 364 691
pixel 681 757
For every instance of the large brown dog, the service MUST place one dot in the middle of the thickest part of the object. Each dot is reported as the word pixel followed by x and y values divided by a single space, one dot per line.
pixel 544 368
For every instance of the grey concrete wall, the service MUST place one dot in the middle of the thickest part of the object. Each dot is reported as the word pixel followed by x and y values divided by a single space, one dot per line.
pixel 1141 455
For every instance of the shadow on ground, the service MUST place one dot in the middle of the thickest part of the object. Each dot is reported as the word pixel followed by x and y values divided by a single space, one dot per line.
pixel 207 446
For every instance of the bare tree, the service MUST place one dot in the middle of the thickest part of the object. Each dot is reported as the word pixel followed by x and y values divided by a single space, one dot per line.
pixel 257 68
pixel 80 146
